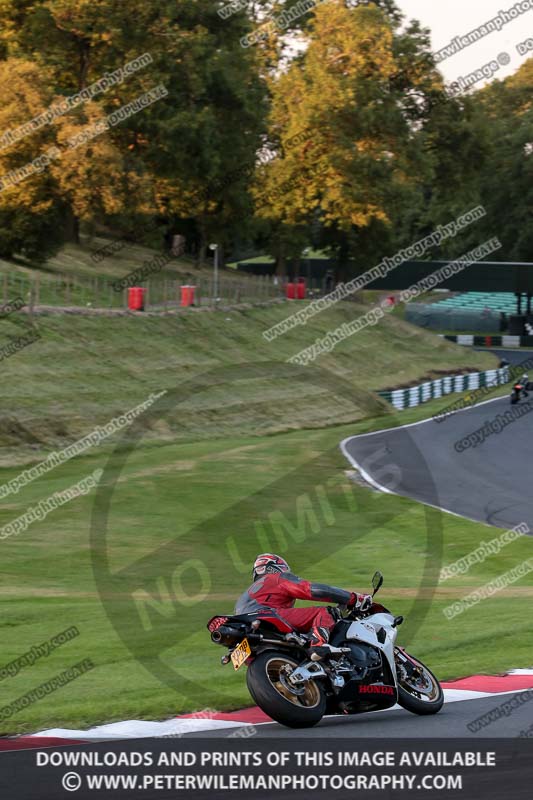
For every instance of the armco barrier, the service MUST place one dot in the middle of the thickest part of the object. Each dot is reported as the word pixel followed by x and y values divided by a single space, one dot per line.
pixel 470 340
pixel 415 395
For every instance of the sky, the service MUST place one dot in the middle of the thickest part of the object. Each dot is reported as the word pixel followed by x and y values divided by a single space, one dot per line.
pixel 449 18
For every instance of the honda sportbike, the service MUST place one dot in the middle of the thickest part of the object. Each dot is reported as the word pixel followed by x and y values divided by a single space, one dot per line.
pixel 363 670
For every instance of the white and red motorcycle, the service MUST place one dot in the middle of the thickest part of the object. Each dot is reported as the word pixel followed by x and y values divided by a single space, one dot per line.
pixel 365 671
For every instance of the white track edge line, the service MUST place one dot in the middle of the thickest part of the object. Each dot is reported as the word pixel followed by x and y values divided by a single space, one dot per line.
pixel 384 489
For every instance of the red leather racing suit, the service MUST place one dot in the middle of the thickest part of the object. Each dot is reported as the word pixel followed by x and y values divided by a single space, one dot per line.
pixel 279 592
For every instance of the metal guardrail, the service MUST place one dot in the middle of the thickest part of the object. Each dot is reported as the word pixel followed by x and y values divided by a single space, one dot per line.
pixel 430 390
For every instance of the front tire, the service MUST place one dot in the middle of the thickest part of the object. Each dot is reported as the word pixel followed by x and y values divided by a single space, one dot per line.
pixel 267 684
pixel 419 691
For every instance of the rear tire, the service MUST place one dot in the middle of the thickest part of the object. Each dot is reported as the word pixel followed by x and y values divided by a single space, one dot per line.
pixel 274 698
pixel 514 398
pixel 423 696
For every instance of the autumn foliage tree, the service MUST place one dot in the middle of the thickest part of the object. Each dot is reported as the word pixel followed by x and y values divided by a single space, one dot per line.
pixel 355 159
pixel 31 206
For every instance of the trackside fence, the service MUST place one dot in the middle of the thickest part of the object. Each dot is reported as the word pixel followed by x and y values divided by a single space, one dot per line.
pixel 162 292
pixel 415 395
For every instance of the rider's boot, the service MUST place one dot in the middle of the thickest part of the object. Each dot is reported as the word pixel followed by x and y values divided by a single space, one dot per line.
pixel 318 643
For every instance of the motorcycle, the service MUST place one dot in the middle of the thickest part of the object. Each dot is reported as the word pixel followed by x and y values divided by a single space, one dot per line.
pixel 366 670
pixel 518 390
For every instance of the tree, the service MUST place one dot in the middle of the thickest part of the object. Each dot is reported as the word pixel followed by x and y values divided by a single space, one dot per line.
pixel 355 161
pixel 204 152
pixel 507 180
pixel 30 204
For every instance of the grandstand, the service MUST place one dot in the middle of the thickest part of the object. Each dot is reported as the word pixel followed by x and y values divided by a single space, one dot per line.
pixel 480 301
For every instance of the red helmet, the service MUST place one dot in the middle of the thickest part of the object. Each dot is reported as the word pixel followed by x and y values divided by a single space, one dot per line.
pixel 269 562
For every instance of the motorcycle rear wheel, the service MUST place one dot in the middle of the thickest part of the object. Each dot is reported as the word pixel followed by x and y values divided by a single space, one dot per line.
pixel 419 693
pixel 268 686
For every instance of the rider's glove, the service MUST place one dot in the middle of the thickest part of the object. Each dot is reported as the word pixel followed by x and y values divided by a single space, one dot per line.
pixel 361 602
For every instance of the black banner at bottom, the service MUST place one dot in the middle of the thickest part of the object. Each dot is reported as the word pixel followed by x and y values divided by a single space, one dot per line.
pixel 150 769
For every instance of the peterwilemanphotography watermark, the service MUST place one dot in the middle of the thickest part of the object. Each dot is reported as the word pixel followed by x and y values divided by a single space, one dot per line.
pixel 38 651
pixel 488 589
pixel 328 342
pixel 40 511
pixel 483 551
pixel 387 265
pixel 92 439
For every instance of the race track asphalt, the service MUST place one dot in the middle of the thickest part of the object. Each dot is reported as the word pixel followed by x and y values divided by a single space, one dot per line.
pixel 450 723
pixel 489 482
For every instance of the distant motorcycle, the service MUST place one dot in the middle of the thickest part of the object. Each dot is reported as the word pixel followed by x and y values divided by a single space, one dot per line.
pixel 365 671
pixel 519 390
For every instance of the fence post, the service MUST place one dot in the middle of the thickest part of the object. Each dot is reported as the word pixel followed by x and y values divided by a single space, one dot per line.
pixel 30 303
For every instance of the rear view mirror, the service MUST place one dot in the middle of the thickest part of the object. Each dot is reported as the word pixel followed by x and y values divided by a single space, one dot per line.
pixel 377 582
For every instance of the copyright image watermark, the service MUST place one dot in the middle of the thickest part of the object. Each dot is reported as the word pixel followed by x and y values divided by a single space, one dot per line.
pixel 96 437
pixel 11 306
pixel 488 589
pixel 35 167
pixel 46 688
pixel 418 249
pixel 39 164
pixel 483 551
pixel 114 247
pixel 328 342
pixel 45 507
pixel 504 710
pixel 37 651
pixel 485 72
pixel 116 117
pixel 473 396
pixel 279 23
pixel 15 345
pixel 496 23
pixel 493 427
pixel 68 103
pixel 150 267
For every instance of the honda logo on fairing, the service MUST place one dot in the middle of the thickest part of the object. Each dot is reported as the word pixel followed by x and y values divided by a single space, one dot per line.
pixel 376 689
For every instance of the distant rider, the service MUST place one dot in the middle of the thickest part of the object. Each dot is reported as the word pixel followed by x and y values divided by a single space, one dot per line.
pixel 276 589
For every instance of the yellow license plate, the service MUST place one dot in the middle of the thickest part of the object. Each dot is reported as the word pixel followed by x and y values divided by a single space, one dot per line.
pixel 240 654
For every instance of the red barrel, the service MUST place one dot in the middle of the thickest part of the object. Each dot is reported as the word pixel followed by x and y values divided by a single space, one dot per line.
pixel 187 295
pixel 300 289
pixel 291 291
pixel 136 298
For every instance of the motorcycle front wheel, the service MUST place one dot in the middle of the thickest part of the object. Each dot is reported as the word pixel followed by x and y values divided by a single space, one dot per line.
pixel 419 691
pixel 296 707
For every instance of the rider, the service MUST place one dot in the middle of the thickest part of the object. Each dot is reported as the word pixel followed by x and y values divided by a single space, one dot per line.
pixel 276 589
pixel 524 380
